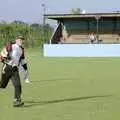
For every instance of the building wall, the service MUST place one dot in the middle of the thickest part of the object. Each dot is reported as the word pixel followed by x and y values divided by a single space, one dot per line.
pixel 82 50
pixel 106 25
pixel 77 30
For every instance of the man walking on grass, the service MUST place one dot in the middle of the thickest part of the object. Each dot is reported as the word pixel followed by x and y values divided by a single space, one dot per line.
pixel 11 57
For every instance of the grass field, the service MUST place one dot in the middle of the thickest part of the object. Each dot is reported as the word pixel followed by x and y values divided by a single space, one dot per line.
pixel 66 89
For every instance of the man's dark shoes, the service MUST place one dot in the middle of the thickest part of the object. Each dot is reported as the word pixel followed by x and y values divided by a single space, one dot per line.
pixel 18 103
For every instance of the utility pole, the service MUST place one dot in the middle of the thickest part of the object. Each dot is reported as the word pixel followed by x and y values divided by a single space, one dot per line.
pixel 44 10
pixel 97 17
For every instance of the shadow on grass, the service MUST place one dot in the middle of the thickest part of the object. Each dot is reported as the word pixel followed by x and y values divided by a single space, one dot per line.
pixel 37 103
pixel 54 79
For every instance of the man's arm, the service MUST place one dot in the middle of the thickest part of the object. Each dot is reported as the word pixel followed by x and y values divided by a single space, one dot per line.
pixel 23 63
pixel 3 55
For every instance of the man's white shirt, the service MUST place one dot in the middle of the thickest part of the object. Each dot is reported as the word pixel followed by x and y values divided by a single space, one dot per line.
pixel 15 54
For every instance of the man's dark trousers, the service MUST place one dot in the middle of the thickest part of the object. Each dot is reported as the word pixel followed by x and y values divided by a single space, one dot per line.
pixel 9 72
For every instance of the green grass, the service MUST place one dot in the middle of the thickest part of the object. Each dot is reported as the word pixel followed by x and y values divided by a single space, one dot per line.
pixel 66 89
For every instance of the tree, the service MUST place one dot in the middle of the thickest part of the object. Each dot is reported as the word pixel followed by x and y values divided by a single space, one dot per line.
pixel 35 25
pixel 76 11
pixel 32 33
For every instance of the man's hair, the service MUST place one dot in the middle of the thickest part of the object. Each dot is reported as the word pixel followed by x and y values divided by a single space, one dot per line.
pixel 20 37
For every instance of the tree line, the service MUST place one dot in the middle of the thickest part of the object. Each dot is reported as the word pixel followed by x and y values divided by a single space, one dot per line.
pixel 35 34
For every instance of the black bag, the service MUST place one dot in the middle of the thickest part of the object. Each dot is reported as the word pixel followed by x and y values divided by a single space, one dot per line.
pixel 6 75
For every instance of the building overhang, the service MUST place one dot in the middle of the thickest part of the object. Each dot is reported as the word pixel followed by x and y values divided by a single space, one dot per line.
pixel 77 16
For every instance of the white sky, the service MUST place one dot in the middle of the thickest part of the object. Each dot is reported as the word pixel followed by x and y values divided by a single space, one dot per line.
pixel 31 11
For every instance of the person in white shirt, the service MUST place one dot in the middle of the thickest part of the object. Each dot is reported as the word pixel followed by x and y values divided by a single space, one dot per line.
pixel 11 57
pixel 92 38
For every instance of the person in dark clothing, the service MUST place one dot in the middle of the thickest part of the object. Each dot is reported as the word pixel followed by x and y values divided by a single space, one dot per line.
pixel 11 56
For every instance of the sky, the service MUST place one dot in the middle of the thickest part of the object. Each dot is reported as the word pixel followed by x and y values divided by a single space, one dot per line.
pixel 31 11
